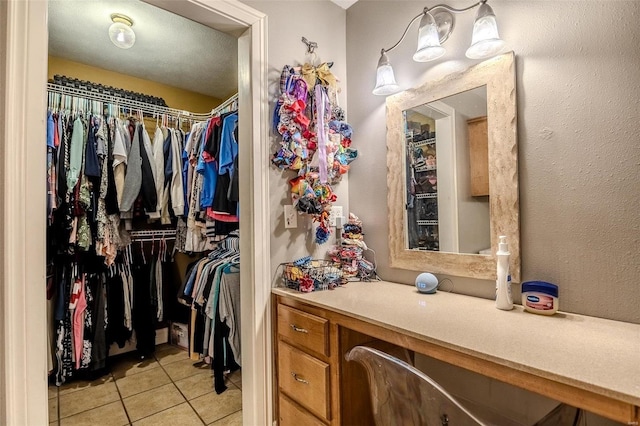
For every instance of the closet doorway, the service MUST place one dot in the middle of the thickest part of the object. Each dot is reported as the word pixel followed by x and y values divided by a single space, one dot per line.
pixel 23 238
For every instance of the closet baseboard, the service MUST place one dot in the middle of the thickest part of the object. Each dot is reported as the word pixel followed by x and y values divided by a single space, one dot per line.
pixel 162 336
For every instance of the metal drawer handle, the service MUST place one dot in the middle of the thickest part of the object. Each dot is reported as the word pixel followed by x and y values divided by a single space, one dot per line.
pixel 298 329
pixel 298 379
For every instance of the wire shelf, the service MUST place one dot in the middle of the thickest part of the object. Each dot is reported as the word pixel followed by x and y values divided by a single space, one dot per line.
pixel 149 109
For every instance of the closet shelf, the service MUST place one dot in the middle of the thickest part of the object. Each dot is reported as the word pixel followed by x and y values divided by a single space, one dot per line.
pixel 424 142
pixel 427 195
pixel 150 235
pixel 146 108
pixel 427 222
pixel 425 169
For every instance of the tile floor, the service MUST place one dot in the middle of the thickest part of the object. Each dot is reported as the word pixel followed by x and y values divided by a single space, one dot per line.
pixel 166 390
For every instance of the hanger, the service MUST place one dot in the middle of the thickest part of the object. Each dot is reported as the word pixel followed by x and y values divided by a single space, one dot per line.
pixel 163 250
pixel 144 259
pixel 231 268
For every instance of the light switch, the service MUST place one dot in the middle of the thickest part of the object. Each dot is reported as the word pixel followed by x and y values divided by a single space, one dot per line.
pixel 290 217
pixel 336 211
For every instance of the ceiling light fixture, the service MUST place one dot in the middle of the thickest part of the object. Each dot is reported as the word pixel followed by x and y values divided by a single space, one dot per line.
pixel 436 24
pixel 120 31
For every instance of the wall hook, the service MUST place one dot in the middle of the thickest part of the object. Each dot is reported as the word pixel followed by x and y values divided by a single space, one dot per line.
pixel 311 45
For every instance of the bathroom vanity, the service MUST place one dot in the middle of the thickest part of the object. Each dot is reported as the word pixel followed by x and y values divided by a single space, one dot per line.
pixel 586 362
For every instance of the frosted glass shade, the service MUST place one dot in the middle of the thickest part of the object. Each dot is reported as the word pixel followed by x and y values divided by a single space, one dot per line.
pixel 429 47
pixel 385 79
pixel 122 35
pixel 486 41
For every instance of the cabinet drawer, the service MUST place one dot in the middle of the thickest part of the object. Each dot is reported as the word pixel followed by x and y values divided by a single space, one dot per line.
pixel 304 378
pixel 292 415
pixel 303 329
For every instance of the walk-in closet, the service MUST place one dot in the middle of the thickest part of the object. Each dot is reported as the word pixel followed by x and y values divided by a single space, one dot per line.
pixel 143 228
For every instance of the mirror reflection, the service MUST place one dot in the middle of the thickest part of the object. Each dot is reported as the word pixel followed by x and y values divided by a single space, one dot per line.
pixel 461 229
pixel 447 175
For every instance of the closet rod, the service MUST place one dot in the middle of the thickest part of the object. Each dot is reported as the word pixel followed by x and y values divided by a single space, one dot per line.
pixel 149 109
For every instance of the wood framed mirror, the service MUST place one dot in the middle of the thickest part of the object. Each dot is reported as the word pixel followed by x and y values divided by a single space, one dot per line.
pixel 452 172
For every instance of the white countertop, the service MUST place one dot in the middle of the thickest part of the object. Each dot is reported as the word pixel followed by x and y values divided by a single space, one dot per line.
pixel 594 354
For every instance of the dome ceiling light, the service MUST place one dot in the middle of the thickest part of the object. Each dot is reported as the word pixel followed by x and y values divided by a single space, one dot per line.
pixel 120 32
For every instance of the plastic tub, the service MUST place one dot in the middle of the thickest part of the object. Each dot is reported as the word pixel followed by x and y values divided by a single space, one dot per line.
pixel 540 297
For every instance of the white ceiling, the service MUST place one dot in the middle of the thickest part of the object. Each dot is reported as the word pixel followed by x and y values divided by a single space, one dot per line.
pixel 169 49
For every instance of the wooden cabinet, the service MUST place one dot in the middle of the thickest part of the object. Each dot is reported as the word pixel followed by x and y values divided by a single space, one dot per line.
pixel 292 414
pixel 305 330
pixel 306 367
pixel 478 156
pixel 315 385
pixel 305 379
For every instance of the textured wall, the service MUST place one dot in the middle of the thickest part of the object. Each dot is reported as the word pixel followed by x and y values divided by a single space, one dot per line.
pixel 324 23
pixel 578 68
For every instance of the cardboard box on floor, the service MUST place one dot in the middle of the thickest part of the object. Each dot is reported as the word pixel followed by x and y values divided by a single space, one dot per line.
pixel 179 335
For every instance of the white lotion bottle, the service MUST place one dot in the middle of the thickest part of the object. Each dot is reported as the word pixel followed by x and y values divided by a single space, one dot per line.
pixel 504 300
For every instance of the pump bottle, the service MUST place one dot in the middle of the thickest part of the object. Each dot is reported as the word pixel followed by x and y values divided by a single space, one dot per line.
pixel 504 300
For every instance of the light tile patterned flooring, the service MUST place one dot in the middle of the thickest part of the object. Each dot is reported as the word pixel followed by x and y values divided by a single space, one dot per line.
pixel 166 390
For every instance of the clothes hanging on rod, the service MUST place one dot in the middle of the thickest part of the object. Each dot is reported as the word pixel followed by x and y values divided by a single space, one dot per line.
pixel 122 174
pixel 212 289
pixel 210 176
pixel 95 307
pixel 106 180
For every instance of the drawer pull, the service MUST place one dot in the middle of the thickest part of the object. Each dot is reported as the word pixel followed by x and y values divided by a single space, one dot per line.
pixel 298 379
pixel 298 329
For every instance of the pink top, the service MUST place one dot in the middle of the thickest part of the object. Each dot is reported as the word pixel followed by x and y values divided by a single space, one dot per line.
pixel 78 323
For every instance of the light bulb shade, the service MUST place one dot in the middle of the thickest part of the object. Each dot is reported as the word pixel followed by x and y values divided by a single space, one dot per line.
pixel 385 80
pixel 122 35
pixel 486 41
pixel 429 47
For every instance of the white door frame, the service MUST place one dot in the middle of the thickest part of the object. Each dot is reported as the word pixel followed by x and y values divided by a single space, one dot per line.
pixel 23 65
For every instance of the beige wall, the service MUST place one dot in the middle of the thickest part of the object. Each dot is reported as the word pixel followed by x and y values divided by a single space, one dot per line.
pixel 324 23
pixel 578 70
pixel 173 96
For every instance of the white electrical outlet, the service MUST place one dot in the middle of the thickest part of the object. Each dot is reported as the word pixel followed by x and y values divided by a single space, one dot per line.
pixel 290 217
pixel 336 211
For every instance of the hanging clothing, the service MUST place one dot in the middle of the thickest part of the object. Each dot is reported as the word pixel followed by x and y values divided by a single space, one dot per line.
pixel 148 184
pixel 216 330
pixel 133 177
pixel 100 170
pixel 229 309
pixel 76 149
pixel 176 193
pixel 158 159
pixel 120 156
pixel 143 311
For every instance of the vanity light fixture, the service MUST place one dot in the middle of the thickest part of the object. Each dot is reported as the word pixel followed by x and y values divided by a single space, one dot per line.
pixel 436 24
pixel 120 31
